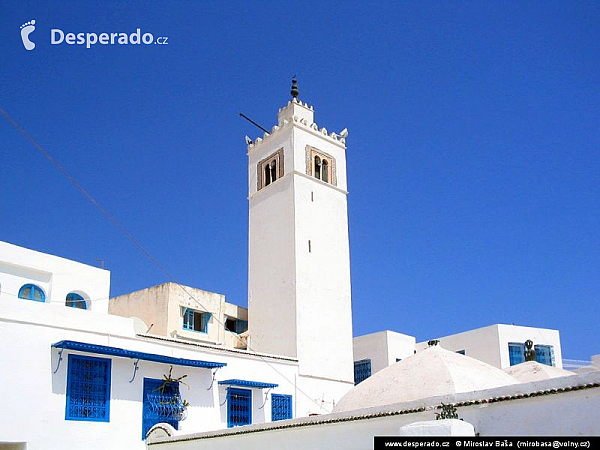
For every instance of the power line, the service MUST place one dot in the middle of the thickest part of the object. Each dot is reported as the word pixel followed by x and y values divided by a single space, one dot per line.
pixel 139 246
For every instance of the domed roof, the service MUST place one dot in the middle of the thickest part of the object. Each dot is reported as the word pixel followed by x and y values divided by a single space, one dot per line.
pixel 534 371
pixel 429 373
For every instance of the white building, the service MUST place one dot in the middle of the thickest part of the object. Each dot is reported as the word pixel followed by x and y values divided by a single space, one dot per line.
pixel 299 258
pixel 187 313
pixel 176 361
pixel 499 345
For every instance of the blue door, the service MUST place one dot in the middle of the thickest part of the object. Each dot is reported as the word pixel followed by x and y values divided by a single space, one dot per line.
pixel 158 404
pixel 239 407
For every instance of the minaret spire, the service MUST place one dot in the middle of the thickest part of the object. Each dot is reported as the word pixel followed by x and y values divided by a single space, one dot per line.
pixel 294 91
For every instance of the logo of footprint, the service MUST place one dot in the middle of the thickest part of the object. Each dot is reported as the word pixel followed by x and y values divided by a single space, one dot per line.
pixel 26 30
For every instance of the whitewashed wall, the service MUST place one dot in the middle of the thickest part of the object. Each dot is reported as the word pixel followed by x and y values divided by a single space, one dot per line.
pixel 34 398
pixel 383 348
pixel 490 344
pixel 571 413
pixel 56 276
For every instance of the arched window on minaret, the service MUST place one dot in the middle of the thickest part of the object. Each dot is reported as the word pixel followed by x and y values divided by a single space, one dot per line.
pixel 270 169
pixel 325 171
pixel 317 167
pixel 273 169
pixel 320 165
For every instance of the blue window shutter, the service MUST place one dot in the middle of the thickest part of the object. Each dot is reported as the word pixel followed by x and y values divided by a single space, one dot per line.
pixel 241 326
pixel 281 407
pixel 88 389
pixel 158 404
pixel 362 370
pixel 205 318
pixel 239 407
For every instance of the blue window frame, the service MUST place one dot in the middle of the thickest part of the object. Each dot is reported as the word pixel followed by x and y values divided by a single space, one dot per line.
pixel 239 407
pixel 160 404
pixel 281 407
pixel 32 292
pixel 516 353
pixel 544 354
pixel 362 370
pixel 75 301
pixel 88 389
pixel 195 320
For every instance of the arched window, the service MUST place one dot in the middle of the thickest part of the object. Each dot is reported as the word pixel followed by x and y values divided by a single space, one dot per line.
pixel 325 171
pixel 75 301
pixel 317 167
pixel 32 292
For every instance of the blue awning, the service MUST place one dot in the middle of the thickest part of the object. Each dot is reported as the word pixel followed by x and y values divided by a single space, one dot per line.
pixel 245 383
pixel 114 351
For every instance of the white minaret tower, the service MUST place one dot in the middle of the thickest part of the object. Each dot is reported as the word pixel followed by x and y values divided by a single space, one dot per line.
pixel 299 296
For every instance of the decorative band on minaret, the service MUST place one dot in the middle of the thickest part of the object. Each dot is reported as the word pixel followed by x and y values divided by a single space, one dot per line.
pixel 294 91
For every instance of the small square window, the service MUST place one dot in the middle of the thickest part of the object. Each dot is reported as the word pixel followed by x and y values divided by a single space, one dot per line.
pixel 195 320
pixel 362 370
pixel 281 407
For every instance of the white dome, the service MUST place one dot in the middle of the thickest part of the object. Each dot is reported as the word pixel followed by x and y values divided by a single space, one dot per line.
pixel 534 371
pixel 430 373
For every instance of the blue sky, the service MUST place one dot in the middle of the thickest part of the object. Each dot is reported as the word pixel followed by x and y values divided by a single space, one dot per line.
pixel 473 159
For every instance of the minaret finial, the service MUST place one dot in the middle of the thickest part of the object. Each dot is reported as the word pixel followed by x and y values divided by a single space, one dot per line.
pixel 294 91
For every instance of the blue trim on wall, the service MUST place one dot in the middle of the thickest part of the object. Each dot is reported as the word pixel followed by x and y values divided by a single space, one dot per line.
pixel 114 351
pixel 245 383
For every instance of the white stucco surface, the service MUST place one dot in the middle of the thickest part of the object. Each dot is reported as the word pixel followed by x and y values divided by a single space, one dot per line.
pixel 534 371
pixel 383 348
pixel 490 344
pixel 299 295
pixel 431 372
pixel 565 406
pixel 56 276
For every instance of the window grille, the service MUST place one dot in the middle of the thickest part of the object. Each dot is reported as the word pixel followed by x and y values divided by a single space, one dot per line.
pixel 239 407
pixel 162 403
pixel 32 292
pixel 544 354
pixel 88 389
pixel 195 320
pixel 75 301
pixel 516 353
pixel 362 370
pixel 281 407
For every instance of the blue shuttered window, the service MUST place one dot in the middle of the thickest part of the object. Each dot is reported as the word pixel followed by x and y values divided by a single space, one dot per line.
pixel 159 404
pixel 88 389
pixel 32 292
pixel 544 354
pixel 362 370
pixel 281 407
pixel 195 320
pixel 239 407
pixel 516 353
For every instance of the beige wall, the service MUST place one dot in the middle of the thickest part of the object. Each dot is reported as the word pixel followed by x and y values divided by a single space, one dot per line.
pixel 161 308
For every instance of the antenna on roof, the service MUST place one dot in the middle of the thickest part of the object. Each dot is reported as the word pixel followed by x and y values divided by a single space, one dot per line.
pixel 254 123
